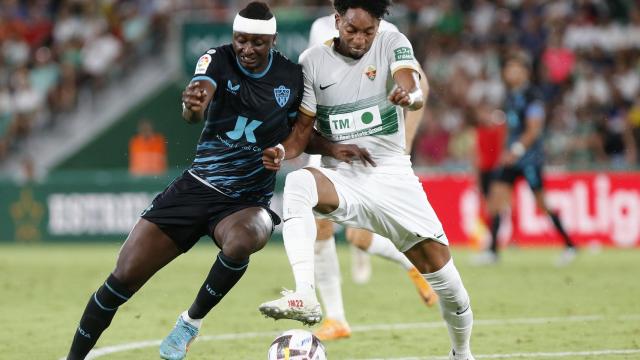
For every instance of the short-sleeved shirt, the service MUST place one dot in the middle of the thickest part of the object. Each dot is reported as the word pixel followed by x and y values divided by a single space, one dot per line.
pixel 349 96
pixel 522 106
pixel 248 113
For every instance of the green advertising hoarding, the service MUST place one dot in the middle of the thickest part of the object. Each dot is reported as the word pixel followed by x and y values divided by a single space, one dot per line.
pixel 87 208
pixel 82 206
pixel 198 37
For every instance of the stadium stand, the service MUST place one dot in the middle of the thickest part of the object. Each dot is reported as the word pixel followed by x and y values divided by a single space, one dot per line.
pixel 585 58
pixel 56 54
pixel 584 54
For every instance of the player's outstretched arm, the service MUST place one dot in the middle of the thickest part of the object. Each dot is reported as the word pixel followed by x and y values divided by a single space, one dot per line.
pixel 407 92
pixel 195 98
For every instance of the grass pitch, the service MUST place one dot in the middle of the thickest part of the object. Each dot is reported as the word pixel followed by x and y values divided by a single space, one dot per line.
pixel 523 305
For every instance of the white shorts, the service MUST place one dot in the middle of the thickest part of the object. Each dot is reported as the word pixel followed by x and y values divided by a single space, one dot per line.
pixel 314 160
pixel 388 202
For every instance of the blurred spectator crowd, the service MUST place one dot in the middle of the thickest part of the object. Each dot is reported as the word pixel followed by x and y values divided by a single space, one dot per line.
pixel 585 59
pixel 585 56
pixel 55 54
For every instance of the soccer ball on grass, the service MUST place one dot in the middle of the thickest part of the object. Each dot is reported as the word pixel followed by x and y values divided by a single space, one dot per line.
pixel 296 345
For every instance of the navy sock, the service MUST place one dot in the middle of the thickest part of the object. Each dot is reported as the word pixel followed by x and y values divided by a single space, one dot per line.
pixel 97 316
pixel 224 274
pixel 556 222
pixel 495 226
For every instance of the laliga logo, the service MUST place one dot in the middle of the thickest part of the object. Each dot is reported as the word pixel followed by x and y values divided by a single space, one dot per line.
pixel 614 214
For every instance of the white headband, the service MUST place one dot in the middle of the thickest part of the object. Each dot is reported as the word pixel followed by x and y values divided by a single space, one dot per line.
pixel 254 26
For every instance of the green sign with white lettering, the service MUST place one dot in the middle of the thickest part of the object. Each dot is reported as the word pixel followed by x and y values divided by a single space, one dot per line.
pixel 85 206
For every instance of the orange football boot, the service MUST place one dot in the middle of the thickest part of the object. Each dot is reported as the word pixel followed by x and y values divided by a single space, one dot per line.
pixel 428 296
pixel 331 329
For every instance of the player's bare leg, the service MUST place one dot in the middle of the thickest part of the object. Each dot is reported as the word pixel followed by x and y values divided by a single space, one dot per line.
pixel 239 235
pixel 146 250
pixel 434 261
pixel 305 190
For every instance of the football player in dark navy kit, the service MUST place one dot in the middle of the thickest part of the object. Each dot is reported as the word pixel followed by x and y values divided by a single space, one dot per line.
pixel 249 94
pixel 523 155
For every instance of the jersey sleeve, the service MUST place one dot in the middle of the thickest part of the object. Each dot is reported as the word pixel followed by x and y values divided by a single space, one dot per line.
pixel 209 66
pixel 293 109
pixel 399 52
pixel 309 103
pixel 535 111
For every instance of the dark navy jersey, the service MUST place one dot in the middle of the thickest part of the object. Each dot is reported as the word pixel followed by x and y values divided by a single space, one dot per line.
pixel 248 113
pixel 520 106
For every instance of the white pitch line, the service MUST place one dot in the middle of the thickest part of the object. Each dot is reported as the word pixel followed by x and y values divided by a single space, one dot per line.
pixel 526 355
pixel 99 352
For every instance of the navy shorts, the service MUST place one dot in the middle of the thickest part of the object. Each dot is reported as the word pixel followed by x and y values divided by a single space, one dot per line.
pixel 188 209
pixel 531 173
pixel 485 178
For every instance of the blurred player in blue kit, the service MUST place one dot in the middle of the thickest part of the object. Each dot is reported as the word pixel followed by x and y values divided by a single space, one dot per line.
pixel 523 155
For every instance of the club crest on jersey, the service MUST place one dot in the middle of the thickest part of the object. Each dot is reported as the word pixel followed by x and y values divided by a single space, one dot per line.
pixel 371 72
pixel 231 88
pixel 282 95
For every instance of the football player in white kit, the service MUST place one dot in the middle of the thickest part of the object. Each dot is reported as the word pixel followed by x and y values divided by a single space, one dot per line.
pixel 327 268
pixel 356 88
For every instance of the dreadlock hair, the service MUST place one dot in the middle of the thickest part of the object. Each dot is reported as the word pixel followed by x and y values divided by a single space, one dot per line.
pixel 376 8
pixel 256 10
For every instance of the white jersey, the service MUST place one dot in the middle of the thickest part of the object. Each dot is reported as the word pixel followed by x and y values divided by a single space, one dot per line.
pixel 348 96
pixel 324 29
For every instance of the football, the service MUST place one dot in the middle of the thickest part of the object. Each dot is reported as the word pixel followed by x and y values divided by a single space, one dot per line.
pixel 296 345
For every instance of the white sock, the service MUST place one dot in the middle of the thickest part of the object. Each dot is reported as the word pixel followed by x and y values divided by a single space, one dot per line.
pixel 195 322
pixel 454 305
pixel 299 229
pixel 328 278
pixel 383 247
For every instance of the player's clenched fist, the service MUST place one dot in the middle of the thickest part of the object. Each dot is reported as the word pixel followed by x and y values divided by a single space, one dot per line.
pixel 194 96
pixel 272 157
pixel 411 100
pixel 399 96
